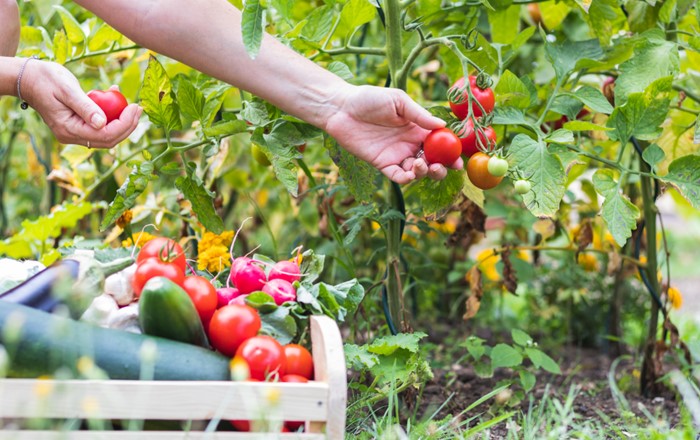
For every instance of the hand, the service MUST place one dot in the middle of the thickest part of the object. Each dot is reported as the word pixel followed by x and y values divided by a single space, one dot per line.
pixel 386 128
pixel 73 117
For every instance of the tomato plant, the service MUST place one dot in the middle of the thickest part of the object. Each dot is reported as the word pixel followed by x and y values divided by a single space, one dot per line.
pixel 298 361
pixel 442 146
pixel 203 295
pixel 522 186
pixel 497 166
pixel 164 249
pixel 264 356
pixel 468 137
pixel 155 267
pixel 478 172
pixel 112 102
pixel 483 98
pixel 231 325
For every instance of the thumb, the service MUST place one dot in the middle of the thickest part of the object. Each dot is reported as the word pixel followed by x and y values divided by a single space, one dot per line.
pixel 413 112
pixel 86 108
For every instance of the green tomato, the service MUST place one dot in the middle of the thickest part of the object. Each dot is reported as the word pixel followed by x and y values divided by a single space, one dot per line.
pixel 498 167
pixel 522 186
pixel 259 155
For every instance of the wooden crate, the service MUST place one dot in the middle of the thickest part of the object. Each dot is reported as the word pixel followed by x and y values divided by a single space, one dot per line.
pixel 321 403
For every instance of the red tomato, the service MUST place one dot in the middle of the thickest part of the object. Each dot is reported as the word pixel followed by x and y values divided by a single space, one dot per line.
pixel 112 102
pixel 609 89
pixel 298 361
pixel 485 97
pixel 478 172
pixel 294 425
pixel 164 249
pixel 203 295
pixel 231 325
pixel 154 267
pixel 468 138
pixel 264 355
pixel 442 146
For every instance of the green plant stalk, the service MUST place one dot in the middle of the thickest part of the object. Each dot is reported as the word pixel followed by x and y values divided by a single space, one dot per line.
pixel 393 40
pixel 650 212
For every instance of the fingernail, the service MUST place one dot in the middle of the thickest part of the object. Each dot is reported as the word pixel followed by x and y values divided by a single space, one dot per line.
pixel 98 121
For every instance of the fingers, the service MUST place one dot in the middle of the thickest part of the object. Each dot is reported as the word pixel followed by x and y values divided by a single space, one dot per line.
pixel 413 112
pixel 109 135
pixel 78 101
pixel 397 174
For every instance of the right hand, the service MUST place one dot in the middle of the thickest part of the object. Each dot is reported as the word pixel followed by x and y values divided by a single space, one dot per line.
pixel 56 95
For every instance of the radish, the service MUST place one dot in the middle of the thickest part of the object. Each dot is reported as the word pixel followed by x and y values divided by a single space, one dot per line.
pixel 240 300
pixel 285 270
pixel 280 290
pixel 248 277
pixel 226 294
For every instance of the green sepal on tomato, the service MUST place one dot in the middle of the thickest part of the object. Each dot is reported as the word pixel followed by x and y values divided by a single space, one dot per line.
pixel 460 105
pixel 442 146
pixel 111 101
pixel 467 136
pixel 164 249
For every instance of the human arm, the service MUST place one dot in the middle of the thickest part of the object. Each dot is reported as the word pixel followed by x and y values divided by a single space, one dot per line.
pixel 206 35
pixel 9 31
pixel 56 95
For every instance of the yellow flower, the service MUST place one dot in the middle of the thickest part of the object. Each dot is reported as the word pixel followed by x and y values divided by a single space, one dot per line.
pixel 674 297
pixel 141 238
pixel 588 261
pixel 214 259
pixel 487 261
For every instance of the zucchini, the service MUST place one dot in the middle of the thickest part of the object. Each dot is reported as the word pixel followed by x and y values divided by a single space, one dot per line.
pixel 38 343
pixel 166 310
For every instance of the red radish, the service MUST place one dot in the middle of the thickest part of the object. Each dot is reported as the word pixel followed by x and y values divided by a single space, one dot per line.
pixel 249 277
pixel 285 270
pixel 225 294
pixel 280 290
pixel 240 300
pixel 237 265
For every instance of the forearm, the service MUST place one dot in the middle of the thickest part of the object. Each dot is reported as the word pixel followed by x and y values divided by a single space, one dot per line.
pixel 9 70
pixel 9 31
pixel 206 35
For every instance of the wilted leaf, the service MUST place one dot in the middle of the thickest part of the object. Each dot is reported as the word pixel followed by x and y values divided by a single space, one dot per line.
pixel 510 278
pixel 584 236
pixel 474 300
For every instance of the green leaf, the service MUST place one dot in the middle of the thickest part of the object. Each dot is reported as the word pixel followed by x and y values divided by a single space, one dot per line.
pixel 566 54
pixel 255 113
pixel 105 36
pixel 643 113
pixel 318 24
pixel 226 128
pixel 355 13
pixel 389 344
pixel 654 58
pixel 527 380
pixel 261 302
pixel 684 174
pixel 252 27
pixel 653 154
pixel 511 91
pixel 341 69
pixel 584 126
pixel 508 116
pixel 133 186
pixel 553 13
pixel 503 355
pixel 545 172
pixel 279 324
pixel 157 97
pixel 475 347
pixel 61 50
pixel 76 154
pixel 541 360
pixel 567 105
pixel 359 358
pixel 358 175
pixel 73 30
pixel 605 19
pixel 594 99
pixel 520 337
pixel 339 300
pixel 190 99
pixel 619 214
pixel 171 168
pixel 202 201
pixel 483 370
pixel 438 195
pixel 505 24
pixel 696 133
pixel 561 136
pixel 667 13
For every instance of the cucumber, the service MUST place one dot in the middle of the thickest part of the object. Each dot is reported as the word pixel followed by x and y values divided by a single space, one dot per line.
pixel 38 343
pixel 166 310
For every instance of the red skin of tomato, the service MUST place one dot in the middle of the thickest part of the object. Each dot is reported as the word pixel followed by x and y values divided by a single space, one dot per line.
pixel 609 89
pixel 264 355
pixel 231 325
pixel 203 295
pixel 467 137
pixel 154 267
pixel 165 249
pixel 478 172
pixel 484 96
pixel 112 102
pixel 442 146
pixel 293 425
pixel 298 361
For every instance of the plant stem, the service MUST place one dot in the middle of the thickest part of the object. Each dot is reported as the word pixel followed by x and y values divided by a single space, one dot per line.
pixel 393 40
pixel 560 82
pixel 687 92
pixel 102 52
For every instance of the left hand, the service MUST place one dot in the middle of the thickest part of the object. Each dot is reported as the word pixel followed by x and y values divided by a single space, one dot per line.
pixel 386 128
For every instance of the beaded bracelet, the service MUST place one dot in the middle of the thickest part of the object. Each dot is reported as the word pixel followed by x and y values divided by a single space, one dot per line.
pixel 24 104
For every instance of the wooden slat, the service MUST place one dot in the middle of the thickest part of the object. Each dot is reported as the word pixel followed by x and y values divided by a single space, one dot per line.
pixel 150 435
pixel 329 367
pixel 165 400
